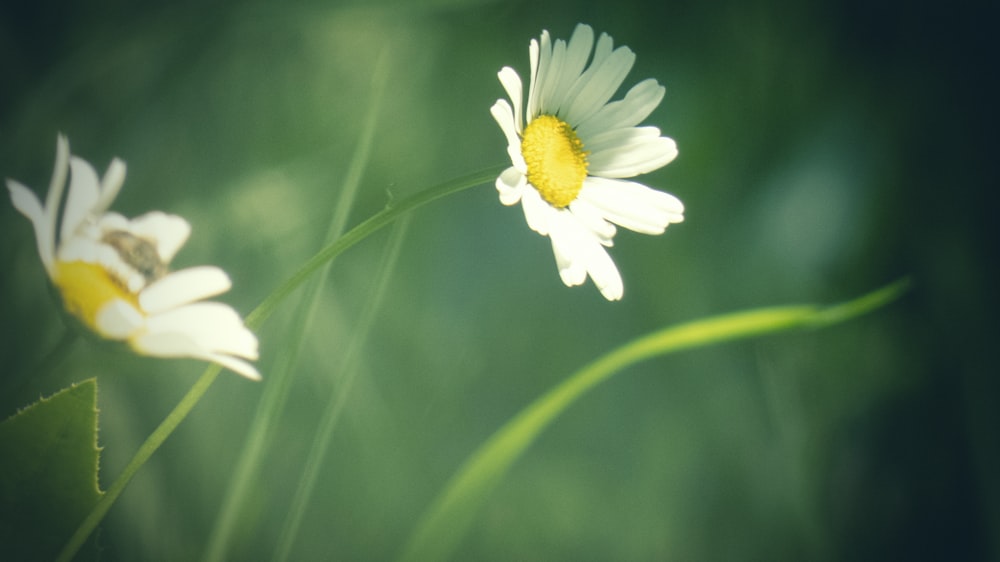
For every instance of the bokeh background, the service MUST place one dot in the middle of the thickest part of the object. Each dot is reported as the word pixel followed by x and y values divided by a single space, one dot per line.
pixel 826 148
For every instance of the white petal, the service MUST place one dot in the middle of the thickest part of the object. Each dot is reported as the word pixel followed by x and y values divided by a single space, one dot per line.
pixel 27 203
pixel 566 247
pixel 84 192
pixel 574 61
pixel 117 320
pixel 537 213
pixel 638 103
pixel 110 222
pixel 510 184
pixel 238 366
pixel 85 249
pixel 169 232
pixel 633 159
pixel 596 86
pixel 534 54
pixel 54 197
pixel 616 139
pixel 511 82
pixel 111 184
pixel 205 327
pixel 175 344
pixel 504 116
pixel 632 205
pixel 183 287
pixel 579 253
pixel 604 273
pixel 592 217
pixel 549 75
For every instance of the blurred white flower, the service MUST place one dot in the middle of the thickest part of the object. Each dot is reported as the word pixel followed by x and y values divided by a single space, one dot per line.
pixel 112 272
pixel 571 149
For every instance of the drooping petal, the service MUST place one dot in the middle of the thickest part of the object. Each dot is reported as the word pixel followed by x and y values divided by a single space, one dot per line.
pixel 179 345
pixel 238 366
pixel 168 232
pixel 567 248
pixel 632 205
pixel 628 160
pixel 183 287
pixel 593 219
pixel 204 327
pixel 117 320
pixel 579 253
pixel 604 273
pixel 84 192
pixel 510 184
pixel 585 249
pixel 537 213
pixel 27 203
pixel 637 104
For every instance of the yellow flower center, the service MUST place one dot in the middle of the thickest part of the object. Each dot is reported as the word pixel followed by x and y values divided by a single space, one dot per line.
pixel 86 288
pixel 557 162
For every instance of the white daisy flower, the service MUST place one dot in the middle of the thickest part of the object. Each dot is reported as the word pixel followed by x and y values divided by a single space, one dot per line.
pixel 573 148
pixel 112 274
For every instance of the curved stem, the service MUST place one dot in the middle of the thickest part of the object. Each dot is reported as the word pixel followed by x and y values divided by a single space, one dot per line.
pixel 391 212
pixel 449 516
pixel 146 450
pixel 257 317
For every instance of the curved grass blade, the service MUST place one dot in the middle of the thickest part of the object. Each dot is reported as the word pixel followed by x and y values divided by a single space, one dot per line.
pixel 347 366
pixel 279 383
pixel 449 516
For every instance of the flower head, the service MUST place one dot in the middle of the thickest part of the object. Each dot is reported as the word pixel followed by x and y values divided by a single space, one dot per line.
pixel 112 272
pixel 572 149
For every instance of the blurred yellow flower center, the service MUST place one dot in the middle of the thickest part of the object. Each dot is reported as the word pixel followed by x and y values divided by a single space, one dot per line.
pixel 86 288
pixel 557 162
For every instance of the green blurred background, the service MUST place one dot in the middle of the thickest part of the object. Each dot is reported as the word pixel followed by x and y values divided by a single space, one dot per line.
pixel 826 149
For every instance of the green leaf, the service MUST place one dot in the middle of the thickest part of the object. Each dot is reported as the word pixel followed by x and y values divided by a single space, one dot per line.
pixel 48 473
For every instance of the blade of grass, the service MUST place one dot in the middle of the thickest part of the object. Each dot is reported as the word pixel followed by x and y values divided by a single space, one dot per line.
pixel 451 513
pixel 331 414
pixel 279 382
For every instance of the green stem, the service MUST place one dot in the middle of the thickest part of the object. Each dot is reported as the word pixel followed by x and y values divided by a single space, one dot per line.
pixel 254 320
pixel 391 212
pixel 451 513
pixel 146 450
